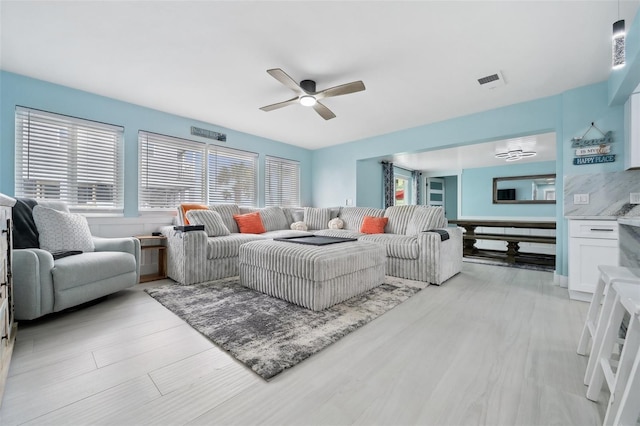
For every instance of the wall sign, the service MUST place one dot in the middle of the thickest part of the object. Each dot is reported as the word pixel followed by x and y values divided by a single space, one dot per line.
pixel 594 159
pixel 579 142
pixel 204 133
pixel 594 150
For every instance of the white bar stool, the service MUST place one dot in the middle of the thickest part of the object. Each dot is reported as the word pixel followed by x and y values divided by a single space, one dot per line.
pixel 624 383
pixel 608 273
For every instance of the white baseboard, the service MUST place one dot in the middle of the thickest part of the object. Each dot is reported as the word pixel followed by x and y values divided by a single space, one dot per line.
pixel 561 280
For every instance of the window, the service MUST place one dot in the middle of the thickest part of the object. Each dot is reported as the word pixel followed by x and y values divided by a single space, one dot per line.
pixel 174 170
pixel 282 182
pixel 232 176
pixel 401 191
pixel 70 159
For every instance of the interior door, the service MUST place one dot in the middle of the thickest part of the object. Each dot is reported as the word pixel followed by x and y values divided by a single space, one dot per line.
pixel 435 191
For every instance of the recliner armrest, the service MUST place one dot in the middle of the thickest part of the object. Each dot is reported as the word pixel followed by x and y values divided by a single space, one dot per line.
pixel 32 283
pixel 126 244
pixel 129 245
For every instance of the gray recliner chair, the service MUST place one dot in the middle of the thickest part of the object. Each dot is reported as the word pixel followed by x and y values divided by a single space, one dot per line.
pixel 43 285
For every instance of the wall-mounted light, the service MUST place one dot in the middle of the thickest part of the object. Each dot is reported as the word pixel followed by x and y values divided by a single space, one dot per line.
pixel 515 154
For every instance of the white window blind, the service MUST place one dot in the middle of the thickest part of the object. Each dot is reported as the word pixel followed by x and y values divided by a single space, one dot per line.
pixel 174 170
pixel 232 176
pixel 70 159
pixel 282 182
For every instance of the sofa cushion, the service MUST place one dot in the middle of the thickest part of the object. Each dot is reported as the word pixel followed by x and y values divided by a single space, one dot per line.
pixel 245 210
pixel 61 231
pixel 212 221
pixel 227 211
pixel 185 208
pixel 399 218
pixel 425 219
pixel 293 214
pixel 317 218
pixel 398 246
pixel 342 233
pixel 353 216
pixel 334 212
pixel 228 246
pixel 249 223
pixel 273 218
pixel 81 269
pixel 373 225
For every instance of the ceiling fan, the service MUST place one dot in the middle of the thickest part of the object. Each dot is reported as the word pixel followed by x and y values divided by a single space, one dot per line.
pixel 306 93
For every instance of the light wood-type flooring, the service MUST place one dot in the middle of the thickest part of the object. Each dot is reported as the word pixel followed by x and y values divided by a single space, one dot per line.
pixel 492 346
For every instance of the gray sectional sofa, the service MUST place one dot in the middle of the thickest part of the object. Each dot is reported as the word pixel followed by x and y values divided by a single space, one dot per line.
pixel 418 243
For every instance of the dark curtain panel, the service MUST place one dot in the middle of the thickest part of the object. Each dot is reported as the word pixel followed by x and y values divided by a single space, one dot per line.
pixel 388 186
pixel 415 175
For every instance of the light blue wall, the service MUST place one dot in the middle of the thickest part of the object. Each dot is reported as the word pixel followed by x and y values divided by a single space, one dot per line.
pixel 337 162
pixel 568 115
pixel 477 191
pixel 451 197
pixel 24 91
pixel 370 169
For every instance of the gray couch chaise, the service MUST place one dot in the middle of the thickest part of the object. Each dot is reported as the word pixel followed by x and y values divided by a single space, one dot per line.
pixel 414 246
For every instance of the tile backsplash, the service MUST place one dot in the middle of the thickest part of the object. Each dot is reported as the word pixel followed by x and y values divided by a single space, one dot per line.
pixel 608 194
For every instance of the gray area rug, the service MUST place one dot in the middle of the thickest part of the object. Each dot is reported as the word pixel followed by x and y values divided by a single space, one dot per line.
pixel 270 335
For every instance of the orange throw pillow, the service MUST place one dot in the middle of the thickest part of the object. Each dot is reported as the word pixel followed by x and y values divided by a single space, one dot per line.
pixel 185 207
pixel 249 223
pixel 373 225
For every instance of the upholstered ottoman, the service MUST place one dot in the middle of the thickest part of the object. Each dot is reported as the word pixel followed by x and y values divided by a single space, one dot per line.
pixel 314 277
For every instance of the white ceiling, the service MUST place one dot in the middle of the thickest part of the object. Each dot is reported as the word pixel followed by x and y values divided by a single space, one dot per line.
pixel 207 60
pixel 452 160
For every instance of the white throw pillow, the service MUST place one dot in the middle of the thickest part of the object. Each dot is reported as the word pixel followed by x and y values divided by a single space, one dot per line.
pixel 336 223
pixel 61 231
pixel 299 226
pixel 213 224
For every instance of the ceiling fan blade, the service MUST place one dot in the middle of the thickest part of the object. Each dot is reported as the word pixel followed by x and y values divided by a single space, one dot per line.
pixel 343 89
pixel 323 111
pixel 280 104
pixel 284 78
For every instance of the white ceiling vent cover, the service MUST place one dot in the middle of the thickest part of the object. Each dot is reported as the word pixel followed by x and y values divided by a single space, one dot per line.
pixel 492 81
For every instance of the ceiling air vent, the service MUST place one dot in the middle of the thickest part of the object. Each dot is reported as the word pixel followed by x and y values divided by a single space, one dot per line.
pixel 492 81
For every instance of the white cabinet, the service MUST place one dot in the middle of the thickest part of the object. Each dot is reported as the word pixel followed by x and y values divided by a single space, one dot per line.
pixel 591 243
pixel 7 324
pixel 632 132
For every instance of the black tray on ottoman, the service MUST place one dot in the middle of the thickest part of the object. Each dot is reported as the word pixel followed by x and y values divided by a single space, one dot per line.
pixel 315 240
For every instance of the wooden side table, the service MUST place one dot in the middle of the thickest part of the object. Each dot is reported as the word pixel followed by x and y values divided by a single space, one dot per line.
pixel 158 243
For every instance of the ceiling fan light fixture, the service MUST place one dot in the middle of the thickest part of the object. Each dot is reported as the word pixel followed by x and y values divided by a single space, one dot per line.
pixel 307 100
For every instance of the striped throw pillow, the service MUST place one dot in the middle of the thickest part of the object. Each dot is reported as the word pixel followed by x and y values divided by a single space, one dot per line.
pixel 212 221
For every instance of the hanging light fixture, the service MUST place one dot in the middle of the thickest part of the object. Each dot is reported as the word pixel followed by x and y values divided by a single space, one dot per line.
pixel 618 57
pixel 515 154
